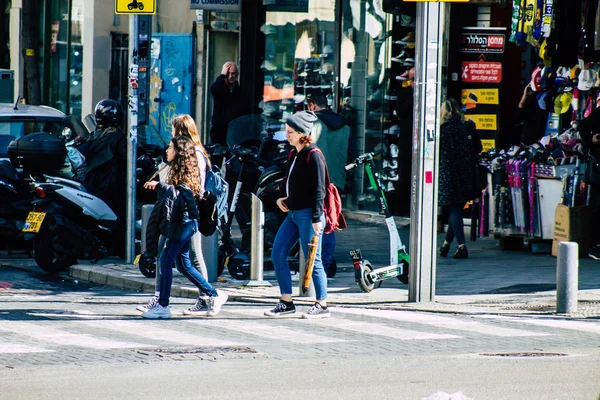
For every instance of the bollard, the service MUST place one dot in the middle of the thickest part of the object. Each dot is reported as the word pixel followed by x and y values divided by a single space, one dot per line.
pixel 146 211
pixel 567 277
pixel 257 246
pixel 302 264
pixel 210 252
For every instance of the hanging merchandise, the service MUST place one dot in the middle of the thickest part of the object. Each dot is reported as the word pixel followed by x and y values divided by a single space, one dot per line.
pixel 547 18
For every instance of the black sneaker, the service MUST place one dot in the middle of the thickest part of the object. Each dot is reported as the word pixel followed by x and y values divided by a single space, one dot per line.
pixel 444 249
pixel 595 253
pixel 281 309
pixel 461 253
pixel 317 311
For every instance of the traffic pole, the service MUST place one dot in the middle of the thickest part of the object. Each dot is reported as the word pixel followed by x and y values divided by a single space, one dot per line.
pixel 431 44
pixel 132 122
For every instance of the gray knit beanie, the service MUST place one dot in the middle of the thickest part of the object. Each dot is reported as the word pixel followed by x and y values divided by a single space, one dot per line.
pixel 302 121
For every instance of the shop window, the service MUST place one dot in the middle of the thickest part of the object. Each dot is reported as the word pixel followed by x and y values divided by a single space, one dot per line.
pixel 299 59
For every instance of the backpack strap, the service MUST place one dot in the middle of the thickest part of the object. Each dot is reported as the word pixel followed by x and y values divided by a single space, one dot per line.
pixel 316 149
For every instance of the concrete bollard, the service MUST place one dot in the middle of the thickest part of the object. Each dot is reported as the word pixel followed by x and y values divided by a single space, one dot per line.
pixel 210 252
pixel 567 277
pixel 257 245
pixel 146 211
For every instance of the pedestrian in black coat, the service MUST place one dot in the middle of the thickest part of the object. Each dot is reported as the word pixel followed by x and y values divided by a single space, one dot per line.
pixel 459 147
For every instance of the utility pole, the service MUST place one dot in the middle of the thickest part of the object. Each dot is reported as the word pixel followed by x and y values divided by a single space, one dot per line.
pixel 431 44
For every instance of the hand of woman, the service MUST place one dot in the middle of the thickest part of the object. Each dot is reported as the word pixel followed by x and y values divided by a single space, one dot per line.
pixel 317 227
pixel 282 204
pixel 150 185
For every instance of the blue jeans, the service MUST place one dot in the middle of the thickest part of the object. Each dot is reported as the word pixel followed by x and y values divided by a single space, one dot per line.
pixel 297 225
pixel 455 224
pixel 177 252
pixel 327 249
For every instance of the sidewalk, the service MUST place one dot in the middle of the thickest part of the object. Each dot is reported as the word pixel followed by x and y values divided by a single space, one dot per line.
pixel 491 281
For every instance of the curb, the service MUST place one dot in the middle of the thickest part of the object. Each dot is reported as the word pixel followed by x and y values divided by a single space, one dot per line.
pixel 375 218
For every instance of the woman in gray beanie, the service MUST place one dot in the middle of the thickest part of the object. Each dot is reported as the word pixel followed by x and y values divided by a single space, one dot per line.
pixel 304 192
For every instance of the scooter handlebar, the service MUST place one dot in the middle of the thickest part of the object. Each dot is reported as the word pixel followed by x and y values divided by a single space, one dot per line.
pixel 361 159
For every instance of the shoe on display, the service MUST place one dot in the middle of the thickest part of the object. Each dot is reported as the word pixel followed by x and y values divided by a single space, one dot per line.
pixel 157 312
pixel 408 39
pixel 151 303
pixel 407 20
pixel 461 253
pixel 404 76
pixel 317 311
pixel 215 303
pixel 400 56
pixel 200 309
pixel 444 249
pixel 281 309
pixel 594 253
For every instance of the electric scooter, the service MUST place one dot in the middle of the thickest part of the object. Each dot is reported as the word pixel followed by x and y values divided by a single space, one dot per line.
pixel 364 273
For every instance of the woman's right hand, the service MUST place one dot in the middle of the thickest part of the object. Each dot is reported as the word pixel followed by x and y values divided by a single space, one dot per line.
pixel 282 204
pixel 150 185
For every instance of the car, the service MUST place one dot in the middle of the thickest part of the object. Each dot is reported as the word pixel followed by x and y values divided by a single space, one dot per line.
pixel 18 120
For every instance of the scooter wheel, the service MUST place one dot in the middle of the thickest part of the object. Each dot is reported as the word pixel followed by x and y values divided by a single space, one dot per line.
pixel 404 277
pixel 238 266
pixel 365 283
pixel 147 266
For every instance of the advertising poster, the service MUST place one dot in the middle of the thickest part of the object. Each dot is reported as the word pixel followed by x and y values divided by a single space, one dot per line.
pixel 481 52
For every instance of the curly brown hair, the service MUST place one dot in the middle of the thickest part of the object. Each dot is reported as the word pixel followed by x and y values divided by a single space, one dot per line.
pixel 305 140
pixel 184 167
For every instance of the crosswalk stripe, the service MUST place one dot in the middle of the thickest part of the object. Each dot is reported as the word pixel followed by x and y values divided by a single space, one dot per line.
pixel 591 327
pixel 13 348
pixel 45 332
pixel 441 321
pixel 266 330
pixel 380 329
pixel 145 330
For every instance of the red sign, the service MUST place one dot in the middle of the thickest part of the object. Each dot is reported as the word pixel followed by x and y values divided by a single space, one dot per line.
pixel 481 72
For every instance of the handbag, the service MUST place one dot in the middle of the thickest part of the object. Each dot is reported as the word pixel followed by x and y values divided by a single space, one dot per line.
pixel 592 170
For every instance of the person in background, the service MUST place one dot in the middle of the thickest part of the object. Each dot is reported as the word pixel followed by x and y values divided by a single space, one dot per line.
pixel 303 202
pixel 178 216
pixel 589 130
pixel 229 102
pixel 459 147
pixel 184 125
pixel 331 134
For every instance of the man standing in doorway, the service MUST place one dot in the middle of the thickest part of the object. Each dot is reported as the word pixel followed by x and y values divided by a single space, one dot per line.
pixel 331 134
pixel 228 102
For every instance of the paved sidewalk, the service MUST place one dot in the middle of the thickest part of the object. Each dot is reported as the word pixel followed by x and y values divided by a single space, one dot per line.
pixel 491 281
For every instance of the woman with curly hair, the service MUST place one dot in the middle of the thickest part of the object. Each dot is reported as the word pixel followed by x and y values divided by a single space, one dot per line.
pixel 178 214
pixel 303 203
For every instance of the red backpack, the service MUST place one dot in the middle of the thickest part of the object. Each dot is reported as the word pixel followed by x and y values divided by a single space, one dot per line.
pixel 332 205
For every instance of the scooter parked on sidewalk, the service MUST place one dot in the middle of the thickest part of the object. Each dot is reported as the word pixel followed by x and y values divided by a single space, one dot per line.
pixel 366 276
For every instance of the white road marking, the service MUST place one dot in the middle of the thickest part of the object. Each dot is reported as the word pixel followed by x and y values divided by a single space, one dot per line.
pixel 440 321
pixel 12 348
pixel 46 333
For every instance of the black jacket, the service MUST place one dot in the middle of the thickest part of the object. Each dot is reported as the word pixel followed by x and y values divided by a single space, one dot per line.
pixel 306 182
pixel 459 147
pixel 173 206
pixel 227 104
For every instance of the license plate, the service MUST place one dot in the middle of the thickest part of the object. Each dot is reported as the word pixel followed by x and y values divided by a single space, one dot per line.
pixel 33 223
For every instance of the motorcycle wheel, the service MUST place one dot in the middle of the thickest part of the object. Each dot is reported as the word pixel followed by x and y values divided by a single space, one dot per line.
pixel 364 282
pixel 141 7
pixel 238 266
pixel 44 255
pixel 147 267
pixel 130 7
pixel 332 268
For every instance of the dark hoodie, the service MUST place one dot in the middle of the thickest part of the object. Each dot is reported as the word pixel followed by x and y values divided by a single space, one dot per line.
pixel 333 120
pixel 332 136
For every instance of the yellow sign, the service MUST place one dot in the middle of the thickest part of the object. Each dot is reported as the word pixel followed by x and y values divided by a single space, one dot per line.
pixel 472 97
pixel 488 144
pixel 33 223
pixel 30 52
pixel 484 122
pixel 135 6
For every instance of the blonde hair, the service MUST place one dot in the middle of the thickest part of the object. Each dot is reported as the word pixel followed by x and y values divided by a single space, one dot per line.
pixel 450 109
pixel 184 125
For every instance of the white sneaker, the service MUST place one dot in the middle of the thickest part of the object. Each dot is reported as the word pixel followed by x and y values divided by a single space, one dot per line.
pixel 200 309
pixel 295 276
pixel 215 303
pixel 158 311
pixel 151 303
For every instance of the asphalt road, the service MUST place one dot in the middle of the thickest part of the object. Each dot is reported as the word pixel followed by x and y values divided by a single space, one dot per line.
pixel 60 338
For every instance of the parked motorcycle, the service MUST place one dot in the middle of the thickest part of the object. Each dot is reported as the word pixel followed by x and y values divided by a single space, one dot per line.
pixel 15 201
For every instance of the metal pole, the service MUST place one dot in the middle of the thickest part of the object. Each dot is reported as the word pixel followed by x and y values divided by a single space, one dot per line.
pixel 567 277
pixel 431 42
pixel 257 245
pixel 131 142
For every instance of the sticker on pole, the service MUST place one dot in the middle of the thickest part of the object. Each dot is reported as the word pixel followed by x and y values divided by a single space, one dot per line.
pixel 135 6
